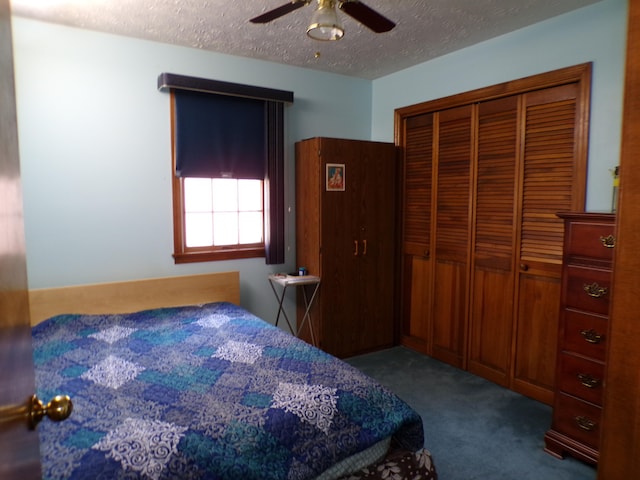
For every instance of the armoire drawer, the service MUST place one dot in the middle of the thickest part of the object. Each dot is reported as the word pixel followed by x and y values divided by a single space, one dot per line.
pixel 585 333
pixel 581 378
pixel 588 289
pixel 591 240
pixel 578 419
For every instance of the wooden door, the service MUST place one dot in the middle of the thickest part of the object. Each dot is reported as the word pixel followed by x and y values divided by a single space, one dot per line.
pixel 620 441
pixel 324 241
pixel 450 236
pixel 341 248
pixel 417 138
pixel 376 211
pixel 552 180
pixel 19 447
pixel 493 281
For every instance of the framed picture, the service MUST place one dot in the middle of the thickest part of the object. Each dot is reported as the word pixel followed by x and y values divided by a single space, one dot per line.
pixel 335 177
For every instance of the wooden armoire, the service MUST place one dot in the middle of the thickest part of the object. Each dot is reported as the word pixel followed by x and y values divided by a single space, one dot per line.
pixel 345 233
pixel 485 173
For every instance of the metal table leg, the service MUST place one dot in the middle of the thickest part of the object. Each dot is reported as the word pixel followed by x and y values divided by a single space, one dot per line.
pixel 307 317
pixel 280 299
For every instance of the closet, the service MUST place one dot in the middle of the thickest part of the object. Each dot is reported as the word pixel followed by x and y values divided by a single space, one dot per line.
pixel 346 234
pixel 484 175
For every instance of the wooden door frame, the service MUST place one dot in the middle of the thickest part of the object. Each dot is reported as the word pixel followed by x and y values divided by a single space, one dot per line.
pixel 620 441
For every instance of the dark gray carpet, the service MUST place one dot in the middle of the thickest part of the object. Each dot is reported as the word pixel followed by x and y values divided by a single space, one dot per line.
pixel 475 429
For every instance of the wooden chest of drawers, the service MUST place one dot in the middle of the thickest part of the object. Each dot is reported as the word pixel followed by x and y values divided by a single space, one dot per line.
pixel 582 341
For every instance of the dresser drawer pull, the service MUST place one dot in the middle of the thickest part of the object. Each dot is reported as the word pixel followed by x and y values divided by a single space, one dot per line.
pixel 609 241
pixel 588 381
pixel 585 423
pixel 594 290
pixel 591 336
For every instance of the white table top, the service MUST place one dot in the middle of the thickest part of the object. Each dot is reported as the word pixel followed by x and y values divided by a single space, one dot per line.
pixel 285 280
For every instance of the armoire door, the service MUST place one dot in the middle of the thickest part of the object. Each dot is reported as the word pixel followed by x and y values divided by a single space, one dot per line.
pixel 339 222
pixel 376 211
pixel 450 237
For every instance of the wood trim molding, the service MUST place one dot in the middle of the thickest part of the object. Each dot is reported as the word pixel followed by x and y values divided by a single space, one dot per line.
pixel 577 73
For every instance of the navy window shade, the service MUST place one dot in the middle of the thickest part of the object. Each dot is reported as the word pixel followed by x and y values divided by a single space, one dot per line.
pixel 220 136
pixel 230 130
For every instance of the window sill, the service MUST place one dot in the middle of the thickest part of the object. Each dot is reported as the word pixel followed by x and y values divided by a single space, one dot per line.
pixel 212 256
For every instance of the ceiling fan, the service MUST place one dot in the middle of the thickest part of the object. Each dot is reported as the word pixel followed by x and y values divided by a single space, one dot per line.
pixel 325 24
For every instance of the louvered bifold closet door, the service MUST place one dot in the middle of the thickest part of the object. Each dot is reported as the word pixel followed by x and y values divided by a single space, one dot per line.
pixel 550 184
pixel 493 272
pixel 454 152
pixel 416 255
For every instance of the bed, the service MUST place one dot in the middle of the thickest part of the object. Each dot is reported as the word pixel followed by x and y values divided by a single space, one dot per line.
pixel 172 386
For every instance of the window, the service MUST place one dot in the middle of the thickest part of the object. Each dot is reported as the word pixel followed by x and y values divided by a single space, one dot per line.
pixel 218 219
pixel 228 163
pixel 223 213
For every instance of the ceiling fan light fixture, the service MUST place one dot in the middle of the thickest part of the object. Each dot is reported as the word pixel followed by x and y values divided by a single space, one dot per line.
pixel 325 25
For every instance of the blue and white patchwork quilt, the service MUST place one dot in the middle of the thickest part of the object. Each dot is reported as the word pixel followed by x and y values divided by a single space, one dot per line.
pixel 204 392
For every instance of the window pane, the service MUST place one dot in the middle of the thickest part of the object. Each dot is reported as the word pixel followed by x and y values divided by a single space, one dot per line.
pixel 225 195
pixel 197 194
pixel 250 227
pixel 199 229
pixel 250 195
pixel 226 228
pixel 223 212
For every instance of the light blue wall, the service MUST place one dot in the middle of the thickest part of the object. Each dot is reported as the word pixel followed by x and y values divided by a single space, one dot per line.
pixel 95 146
pixel 592 34
pixel 94 138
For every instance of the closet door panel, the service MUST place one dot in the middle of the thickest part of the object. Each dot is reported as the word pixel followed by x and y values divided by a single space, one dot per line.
pixel 449 310
pixel 491 331
pixel 535 361
pixel 452 217
pixel 495 213
pixel 418 164
pixel 416 302
pixel 416 231
pixel 550 149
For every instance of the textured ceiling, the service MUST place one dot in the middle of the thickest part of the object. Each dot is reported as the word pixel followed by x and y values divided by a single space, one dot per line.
pixel 425 28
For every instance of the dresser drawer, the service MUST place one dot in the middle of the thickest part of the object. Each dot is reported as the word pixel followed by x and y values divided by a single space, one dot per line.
pixel 578 419
pixel 585 334
pixel 592 240
pixel 581 378
pixel 588 289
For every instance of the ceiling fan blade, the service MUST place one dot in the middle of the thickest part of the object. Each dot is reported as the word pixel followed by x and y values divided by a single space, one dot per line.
pixel 367 16
pixel 280 11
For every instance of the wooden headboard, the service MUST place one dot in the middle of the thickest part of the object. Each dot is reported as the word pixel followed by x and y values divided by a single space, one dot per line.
pixel 134 295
